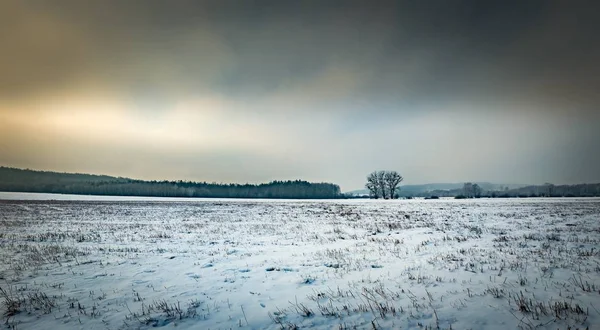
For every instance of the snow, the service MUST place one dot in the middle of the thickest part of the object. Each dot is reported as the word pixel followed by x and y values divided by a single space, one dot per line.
pixel 88 262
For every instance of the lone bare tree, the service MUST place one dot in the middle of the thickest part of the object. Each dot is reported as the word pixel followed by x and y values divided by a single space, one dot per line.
pixel 383 184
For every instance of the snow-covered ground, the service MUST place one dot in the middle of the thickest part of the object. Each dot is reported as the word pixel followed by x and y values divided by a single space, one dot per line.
pixel 253 264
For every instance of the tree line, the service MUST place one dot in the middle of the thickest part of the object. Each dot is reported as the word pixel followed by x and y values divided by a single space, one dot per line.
pixel 18 180
pixel 547 190
pixel 473 190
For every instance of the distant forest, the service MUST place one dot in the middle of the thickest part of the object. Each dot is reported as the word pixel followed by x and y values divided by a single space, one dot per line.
pixel 545 190
pixel 19 180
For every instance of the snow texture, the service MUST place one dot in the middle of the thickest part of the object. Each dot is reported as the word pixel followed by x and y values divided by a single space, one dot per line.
pixel 129 263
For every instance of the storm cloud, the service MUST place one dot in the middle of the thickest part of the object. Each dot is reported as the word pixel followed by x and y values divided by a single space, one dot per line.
pixel 250 91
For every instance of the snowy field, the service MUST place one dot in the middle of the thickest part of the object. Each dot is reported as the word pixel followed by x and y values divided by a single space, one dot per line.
pixel 252 264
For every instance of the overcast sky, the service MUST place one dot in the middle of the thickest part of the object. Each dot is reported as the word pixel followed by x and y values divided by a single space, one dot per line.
pixel 253 91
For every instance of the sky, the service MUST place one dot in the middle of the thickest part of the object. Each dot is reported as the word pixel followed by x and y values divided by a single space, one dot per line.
pixel 254 91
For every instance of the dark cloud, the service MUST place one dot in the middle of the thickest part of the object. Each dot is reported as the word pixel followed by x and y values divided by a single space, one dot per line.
pixel 408 50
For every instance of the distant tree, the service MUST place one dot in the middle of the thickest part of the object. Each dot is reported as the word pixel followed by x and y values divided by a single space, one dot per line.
pixel 468 189
pixel 471 190
pixel 392 180
pixel 549 189
pixel 383 184
pixel 476 190
pixel 373 185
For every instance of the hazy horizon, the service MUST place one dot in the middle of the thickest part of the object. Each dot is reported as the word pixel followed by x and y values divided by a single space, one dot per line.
pixel 231 91
pixel 460 183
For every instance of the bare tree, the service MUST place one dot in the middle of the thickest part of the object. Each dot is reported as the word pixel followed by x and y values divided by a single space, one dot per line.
pixel 383 184
pixel 476 190
pixel 373 185
pixel 468 189
pixel 549 189
pixel 471 190
pixel 392 180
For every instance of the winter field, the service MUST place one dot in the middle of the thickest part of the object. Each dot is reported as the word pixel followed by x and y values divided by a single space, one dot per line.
pixel 263 264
